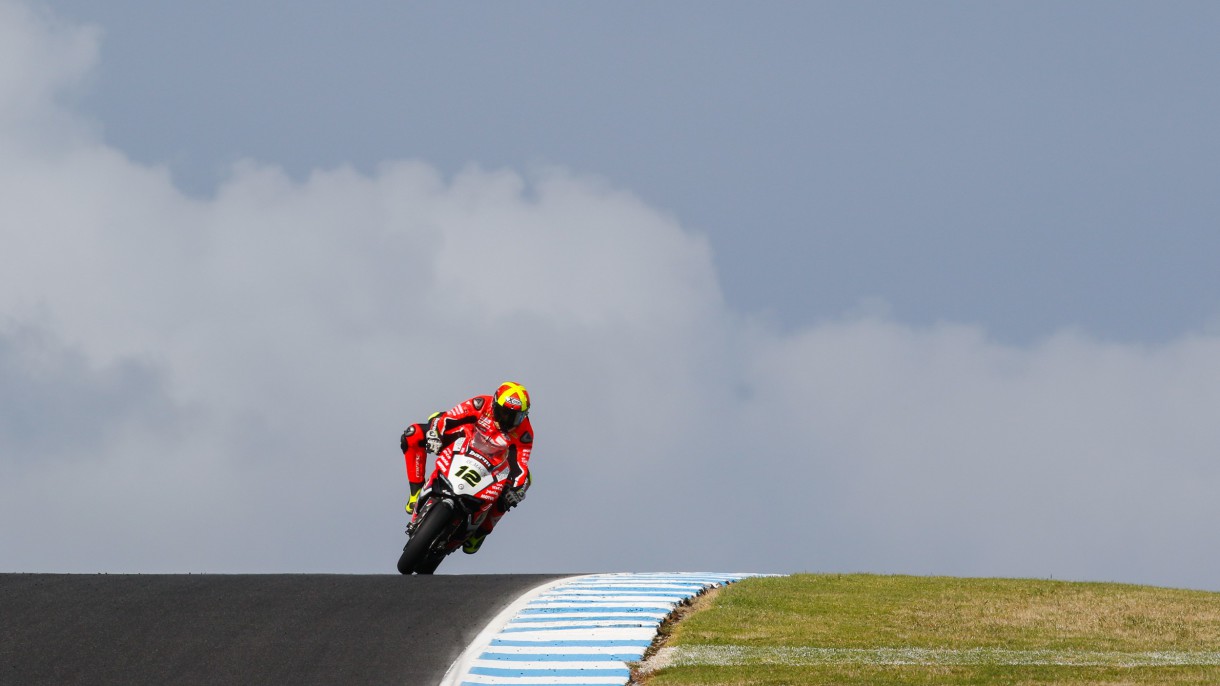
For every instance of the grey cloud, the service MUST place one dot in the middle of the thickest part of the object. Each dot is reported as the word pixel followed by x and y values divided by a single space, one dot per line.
pixel 939 450
pixel 294 327
pixel 54 404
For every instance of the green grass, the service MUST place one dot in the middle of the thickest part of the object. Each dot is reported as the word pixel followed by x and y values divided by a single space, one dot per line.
pixel 866 629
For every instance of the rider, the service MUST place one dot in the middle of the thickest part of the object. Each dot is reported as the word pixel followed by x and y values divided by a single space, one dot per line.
pixel 497 423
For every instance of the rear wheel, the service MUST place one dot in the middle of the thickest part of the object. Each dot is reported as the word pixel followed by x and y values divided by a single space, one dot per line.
pixel 415 553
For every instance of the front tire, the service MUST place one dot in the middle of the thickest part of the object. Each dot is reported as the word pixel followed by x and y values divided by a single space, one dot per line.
pixel 415 553
pixel 429 564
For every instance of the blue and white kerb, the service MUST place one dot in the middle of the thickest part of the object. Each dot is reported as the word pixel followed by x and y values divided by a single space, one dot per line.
pixel 580 631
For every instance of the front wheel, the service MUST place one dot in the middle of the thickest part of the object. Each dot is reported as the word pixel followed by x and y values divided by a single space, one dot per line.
pixel 416 550
pixel 429 564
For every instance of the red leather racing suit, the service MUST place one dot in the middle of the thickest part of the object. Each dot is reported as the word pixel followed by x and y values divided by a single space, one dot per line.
pixel 472 420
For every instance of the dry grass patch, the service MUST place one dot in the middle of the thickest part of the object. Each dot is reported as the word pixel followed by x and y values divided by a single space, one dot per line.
pixel 840 629
pixel 1047 614
pixel 855 675
pixel 864 611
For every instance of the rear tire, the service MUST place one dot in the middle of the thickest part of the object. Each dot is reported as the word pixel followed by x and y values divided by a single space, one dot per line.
pixel 414 554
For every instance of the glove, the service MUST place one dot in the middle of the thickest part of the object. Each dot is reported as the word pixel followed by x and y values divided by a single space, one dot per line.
pixel 432 441
pixel 511 497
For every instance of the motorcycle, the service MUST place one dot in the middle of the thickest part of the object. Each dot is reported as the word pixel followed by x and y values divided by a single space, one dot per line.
pixel 464 487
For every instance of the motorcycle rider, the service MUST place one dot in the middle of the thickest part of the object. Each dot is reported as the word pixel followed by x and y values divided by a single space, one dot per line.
pixel 494 424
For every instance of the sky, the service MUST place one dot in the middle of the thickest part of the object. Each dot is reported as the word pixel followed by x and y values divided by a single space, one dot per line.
pixel 823 287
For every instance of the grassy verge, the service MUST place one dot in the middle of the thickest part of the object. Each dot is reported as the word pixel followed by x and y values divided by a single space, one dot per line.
pixel 866 629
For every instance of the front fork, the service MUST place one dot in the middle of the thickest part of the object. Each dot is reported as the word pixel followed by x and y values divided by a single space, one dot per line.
pixel 423 505
pixel 467 526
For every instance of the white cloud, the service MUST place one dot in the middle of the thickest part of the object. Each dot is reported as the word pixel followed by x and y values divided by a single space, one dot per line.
pixel 242 365
pixel 41 61
pixel 952 452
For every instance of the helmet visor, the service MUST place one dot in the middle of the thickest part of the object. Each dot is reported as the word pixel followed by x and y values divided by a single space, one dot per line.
pixel 507 418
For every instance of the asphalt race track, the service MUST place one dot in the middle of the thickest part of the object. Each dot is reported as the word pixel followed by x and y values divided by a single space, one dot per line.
pixel 243 629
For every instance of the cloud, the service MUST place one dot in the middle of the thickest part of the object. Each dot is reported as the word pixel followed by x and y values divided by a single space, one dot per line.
pixel 42 62
pixel 945 452
pixel 230 374
pixel 91 406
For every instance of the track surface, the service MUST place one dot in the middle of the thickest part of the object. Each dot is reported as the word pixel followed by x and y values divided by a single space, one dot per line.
pixel 249 629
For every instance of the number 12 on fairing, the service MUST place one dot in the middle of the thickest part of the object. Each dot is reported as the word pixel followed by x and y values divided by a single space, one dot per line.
pixel 468 475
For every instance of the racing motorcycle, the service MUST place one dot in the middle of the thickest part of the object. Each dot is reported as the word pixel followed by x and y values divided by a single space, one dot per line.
pixel 464 487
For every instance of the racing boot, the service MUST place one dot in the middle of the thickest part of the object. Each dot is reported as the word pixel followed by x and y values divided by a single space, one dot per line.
pixel 414 500
pixel 416 506
pixel 472 544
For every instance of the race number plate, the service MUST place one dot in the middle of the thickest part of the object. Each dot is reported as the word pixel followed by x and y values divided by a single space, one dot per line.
pixel 468 475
